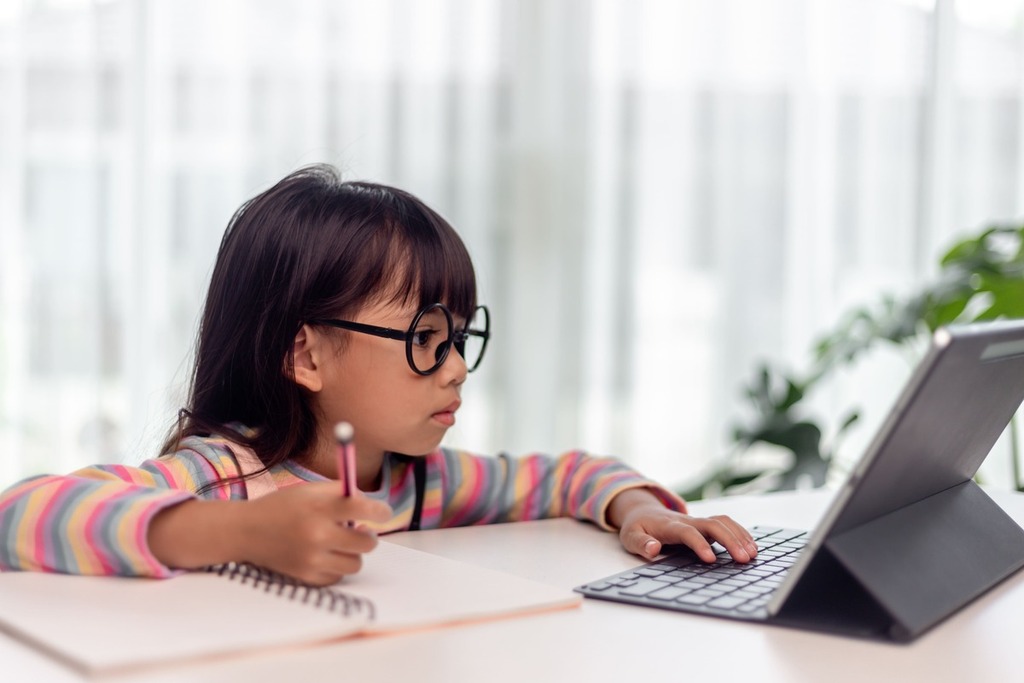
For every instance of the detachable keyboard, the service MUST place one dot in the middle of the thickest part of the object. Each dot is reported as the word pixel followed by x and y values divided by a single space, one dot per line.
pixel 681 581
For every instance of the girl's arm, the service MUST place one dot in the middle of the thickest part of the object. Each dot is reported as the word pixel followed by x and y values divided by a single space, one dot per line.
pixel 604 491
pixel 480 490
pixel 90 522
pixel 95 520
pixel 148 521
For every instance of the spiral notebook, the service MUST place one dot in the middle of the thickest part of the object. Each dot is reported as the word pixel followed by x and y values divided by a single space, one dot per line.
pixel 108 624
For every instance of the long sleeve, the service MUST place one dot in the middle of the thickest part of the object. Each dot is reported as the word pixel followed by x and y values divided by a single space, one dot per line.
pixel 95 520
pixel 464 489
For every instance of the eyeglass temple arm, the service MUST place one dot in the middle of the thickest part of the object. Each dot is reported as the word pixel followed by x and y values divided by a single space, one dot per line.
pixel 376 331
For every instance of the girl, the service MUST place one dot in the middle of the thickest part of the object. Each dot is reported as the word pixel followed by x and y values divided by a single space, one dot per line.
pixel 329 301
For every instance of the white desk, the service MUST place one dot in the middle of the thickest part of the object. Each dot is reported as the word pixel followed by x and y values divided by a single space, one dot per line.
pixel 604 641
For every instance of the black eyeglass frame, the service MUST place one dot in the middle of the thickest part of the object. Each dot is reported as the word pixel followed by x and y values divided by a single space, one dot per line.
pixel 456 338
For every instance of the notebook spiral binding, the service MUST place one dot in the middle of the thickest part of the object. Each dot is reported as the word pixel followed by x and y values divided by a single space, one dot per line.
pixel 321 597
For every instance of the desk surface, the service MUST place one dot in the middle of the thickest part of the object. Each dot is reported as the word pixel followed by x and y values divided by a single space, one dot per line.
pixel 604 641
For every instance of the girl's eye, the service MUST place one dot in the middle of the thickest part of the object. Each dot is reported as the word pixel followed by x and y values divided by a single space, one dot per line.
pixel 423 337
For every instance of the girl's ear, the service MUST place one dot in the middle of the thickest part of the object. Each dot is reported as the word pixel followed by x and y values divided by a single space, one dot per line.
pixel 305 365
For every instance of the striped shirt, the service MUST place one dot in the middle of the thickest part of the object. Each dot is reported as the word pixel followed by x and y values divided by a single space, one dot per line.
pixel 95 520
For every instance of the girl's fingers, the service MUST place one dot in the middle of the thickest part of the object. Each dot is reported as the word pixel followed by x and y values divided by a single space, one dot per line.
pixel 647 536
pixel 687 533
pixel 346 539
pixel 361 508
pixel 739 530
pixel 736 540
pixel 735 536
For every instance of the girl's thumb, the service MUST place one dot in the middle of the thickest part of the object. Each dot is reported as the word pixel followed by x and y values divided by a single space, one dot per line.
pixel 642 544
pixel 651 548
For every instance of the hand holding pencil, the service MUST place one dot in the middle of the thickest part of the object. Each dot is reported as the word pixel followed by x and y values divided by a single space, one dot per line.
pixel 309 532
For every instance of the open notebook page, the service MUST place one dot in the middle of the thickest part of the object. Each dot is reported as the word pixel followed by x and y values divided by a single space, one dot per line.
pixel 107 623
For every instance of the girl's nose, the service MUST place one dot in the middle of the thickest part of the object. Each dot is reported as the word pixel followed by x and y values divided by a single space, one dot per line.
pixel 454 367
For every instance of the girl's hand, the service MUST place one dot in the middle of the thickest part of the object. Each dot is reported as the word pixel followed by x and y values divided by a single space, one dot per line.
pixel 301 531
pixel 645 525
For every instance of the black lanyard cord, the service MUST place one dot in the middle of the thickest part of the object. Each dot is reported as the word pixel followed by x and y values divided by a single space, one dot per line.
pixel 419 471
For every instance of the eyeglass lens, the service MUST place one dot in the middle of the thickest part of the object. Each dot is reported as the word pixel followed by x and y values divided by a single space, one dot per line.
pixel 430 339
pixel 470 344
pixel 433 335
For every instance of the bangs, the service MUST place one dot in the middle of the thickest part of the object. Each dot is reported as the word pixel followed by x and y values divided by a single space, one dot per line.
pixel 375 243
pixel 429 262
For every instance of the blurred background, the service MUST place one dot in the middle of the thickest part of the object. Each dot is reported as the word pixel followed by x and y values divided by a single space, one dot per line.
pixel 658 194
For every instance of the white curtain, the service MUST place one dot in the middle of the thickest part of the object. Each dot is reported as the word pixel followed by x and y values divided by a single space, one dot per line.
pixel 657 194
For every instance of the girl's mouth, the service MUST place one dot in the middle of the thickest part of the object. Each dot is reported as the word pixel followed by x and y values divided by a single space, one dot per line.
pixel 447 416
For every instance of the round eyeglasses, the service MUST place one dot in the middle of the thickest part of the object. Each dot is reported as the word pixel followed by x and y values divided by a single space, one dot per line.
pixel 431 336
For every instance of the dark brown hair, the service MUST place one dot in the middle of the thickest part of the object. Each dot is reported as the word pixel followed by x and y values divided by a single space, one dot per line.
pixel 310 247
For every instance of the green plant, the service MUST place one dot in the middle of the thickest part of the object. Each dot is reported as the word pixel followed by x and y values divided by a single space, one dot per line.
pixel 978 278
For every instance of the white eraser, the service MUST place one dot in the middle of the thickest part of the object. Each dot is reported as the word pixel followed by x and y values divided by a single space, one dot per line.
pixel 343 431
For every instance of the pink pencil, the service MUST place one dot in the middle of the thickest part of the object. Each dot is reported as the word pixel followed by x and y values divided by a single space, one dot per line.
pixel 343 434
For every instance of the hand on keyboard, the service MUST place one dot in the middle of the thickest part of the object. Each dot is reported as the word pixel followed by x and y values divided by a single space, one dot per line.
pixel 645 524
pixel 680 581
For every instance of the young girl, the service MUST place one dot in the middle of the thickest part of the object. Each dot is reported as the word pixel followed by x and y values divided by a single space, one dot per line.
pixel 329 301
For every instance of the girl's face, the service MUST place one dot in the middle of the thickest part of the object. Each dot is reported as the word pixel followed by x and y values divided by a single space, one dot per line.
pixel 367 381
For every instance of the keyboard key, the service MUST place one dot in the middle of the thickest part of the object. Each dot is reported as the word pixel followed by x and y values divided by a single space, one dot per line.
pixel 783 536
pixel 736 582
pixel 642 587
pixel 726 602
pixel 666 578
pixel 772 539
pixel 600 585
pixel 696 581
pixel 693 599
pixel 683 573
pixel 680 560
pixel 669 593
pixel 774 566
pixel 648 571
pixel 758 572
